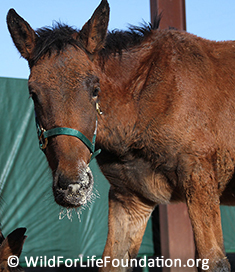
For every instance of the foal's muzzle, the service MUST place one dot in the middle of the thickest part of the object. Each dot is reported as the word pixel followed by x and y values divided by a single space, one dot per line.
pixel 73 193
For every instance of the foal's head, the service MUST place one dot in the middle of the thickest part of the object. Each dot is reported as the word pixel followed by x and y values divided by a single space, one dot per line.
pixel 64 88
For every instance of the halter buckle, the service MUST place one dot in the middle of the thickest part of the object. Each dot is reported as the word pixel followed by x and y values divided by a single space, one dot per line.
pixel 42 140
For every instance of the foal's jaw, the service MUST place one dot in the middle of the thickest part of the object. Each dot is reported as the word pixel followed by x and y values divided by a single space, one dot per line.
pixel 73 192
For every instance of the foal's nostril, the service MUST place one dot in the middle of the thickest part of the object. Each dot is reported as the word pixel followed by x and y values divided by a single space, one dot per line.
pixel 74 185
pixel 63 182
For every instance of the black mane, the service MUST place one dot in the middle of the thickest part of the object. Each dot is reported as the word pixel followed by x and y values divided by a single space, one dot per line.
pixel 119 40
pixel 57 37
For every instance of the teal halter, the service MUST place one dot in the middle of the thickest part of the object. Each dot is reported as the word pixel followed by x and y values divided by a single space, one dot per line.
pixel 44 134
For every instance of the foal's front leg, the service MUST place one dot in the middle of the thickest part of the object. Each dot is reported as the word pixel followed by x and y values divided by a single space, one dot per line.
pixel 128 217
pixel 202 196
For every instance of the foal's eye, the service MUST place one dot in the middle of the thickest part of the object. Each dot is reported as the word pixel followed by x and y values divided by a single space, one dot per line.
pixel 96 92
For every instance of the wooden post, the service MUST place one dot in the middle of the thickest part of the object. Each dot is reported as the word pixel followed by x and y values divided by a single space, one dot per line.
pixel 177 240
pixel 176 234
pixel 173 13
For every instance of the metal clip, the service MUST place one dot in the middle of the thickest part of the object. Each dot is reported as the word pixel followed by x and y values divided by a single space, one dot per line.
pixel 97 106
pixel 42 141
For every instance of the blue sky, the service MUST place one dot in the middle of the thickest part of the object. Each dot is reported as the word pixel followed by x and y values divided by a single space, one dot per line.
pixel 211 19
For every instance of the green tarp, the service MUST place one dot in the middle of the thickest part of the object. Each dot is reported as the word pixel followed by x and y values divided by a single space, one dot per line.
pixel 26 193
pixel 228 226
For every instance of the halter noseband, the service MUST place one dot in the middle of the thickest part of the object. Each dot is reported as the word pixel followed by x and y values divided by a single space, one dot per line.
pixel 44 134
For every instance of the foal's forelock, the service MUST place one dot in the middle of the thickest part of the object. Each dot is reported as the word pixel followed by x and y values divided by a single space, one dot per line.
pixel 54 39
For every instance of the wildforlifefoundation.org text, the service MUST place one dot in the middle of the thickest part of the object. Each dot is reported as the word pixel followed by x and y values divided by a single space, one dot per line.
pixel 93 261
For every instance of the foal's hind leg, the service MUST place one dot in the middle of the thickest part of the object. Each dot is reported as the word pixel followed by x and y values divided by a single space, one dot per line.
pixel 128 217
pixel 203 203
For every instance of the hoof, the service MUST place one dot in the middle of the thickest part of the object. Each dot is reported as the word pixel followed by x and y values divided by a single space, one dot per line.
pixel 222 265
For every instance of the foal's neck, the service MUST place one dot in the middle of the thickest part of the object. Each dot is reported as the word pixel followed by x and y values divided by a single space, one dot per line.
pixel 121 79
pixel 128 70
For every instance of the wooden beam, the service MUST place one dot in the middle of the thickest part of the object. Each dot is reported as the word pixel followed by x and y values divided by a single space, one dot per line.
pixel 173 13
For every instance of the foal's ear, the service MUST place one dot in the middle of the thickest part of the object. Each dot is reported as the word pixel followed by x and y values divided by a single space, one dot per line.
pixel 22 34
pixel 94 31
pixel 1 237
pixel 13 244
